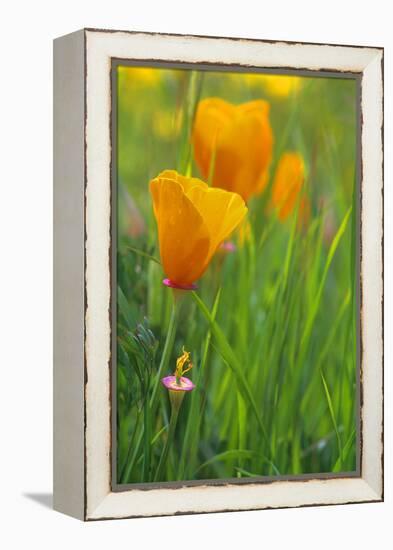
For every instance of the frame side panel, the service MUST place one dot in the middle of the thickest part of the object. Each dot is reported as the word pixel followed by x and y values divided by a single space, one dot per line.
pixel 68 242
pixel 372 274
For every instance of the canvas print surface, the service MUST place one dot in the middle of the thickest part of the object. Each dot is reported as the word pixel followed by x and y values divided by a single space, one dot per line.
pixel 236 274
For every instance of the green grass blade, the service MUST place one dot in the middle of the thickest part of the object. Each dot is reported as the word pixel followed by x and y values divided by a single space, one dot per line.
pixel 231 360
pixel 143 254
pixel 147 441
pixel 315 307
pixel 125 309
pixel 159 433
pixel 194 419
pixel 235 454
pixel 332 415
pixel 329 342
pixel 338 466
pixel 194 90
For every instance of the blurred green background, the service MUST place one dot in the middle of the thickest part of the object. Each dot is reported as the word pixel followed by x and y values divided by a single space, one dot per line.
pixel 285 300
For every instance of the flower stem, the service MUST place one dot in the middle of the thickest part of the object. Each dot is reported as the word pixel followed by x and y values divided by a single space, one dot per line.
pixel 166 354
pixel 171 433
pixel 170 337
pixel 126 469
pixel 190 104
pixel 147 439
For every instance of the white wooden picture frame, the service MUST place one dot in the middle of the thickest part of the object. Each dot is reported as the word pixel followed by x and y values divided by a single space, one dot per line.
pixel 82 257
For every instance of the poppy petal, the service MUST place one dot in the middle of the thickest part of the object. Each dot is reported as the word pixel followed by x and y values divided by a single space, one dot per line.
pixel 221 211
pixel 183 235
pixel 237 140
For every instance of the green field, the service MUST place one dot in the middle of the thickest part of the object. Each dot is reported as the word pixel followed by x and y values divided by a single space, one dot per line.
pixel 272 326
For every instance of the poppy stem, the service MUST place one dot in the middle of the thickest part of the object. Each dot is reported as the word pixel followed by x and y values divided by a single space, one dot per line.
pixel 170 338
pixel 190 102
pixel 171 433
pixel 126 469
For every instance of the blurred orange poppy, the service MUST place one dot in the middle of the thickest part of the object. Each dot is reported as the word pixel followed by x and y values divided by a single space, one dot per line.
pixel 233 144
pixel 193 219
pixel 288 183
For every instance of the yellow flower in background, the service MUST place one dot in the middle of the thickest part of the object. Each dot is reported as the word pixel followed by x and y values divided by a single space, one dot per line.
pixel 233 144
pixel 280 86
pixel 193 219
pixel 165 125
pixel 137 78
pixel 288 183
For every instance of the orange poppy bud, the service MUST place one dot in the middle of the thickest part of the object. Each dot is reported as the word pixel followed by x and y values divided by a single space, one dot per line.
pixel 193 219
pixel 233 144
pixel 287 185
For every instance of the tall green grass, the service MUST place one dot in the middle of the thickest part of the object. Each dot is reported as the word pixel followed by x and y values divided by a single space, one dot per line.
pixel 272 326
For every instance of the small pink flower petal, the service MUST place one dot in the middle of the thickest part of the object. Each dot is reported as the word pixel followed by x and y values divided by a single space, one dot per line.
pixel 171 284
pixel 228 246
pixel 170 383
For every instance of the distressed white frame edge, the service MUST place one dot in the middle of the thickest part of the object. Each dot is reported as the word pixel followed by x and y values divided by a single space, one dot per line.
pixel 100 501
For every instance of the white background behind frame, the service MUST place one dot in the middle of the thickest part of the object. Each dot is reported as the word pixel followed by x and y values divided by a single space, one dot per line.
pixel 101 502
pixel 29 483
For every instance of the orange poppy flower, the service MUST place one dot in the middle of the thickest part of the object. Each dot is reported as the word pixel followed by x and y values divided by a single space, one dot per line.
pixel 193 219
pixel 288 183
pixel 233 144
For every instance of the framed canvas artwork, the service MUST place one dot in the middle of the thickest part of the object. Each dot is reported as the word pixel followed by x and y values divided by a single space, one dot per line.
pixel 218 274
